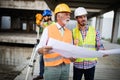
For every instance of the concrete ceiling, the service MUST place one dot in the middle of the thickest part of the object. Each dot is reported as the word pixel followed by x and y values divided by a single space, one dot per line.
pixel 94 7
pixel 22 13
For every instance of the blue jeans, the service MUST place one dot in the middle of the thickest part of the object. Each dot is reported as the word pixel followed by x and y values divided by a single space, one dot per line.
pixel 88 73
pixel 41 65
pixel 60 72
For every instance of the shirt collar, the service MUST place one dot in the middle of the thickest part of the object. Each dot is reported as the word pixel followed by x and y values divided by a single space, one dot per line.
pixel 59 27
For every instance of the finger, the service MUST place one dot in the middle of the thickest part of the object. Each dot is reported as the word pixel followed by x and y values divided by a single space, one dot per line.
pixel 48 47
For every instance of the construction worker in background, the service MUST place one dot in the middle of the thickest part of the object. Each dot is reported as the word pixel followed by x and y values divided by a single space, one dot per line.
pixel 85 36
pixel 38 17
pixel 46 21
pixel 56 66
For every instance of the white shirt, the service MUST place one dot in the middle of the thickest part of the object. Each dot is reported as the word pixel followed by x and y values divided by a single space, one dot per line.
pixel 44 37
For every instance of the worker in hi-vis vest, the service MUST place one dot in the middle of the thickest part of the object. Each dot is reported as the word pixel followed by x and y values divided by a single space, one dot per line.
pixel 47 18
pixel 88 37
pixel 56 66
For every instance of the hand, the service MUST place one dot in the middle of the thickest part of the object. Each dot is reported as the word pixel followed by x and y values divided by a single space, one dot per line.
pixel 105 55
pixel 44 50
pixel 76 41
pixel 72 59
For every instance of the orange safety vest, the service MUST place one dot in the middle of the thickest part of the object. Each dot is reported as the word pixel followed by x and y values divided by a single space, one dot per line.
pixel 54 59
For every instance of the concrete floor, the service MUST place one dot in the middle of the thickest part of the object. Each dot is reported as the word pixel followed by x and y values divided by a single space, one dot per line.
pixel 108 68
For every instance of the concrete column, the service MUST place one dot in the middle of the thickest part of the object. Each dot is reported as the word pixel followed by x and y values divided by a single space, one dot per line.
pixel 15 23
pixel 0 22
pixel 12 23
pixel 99 23
pixel 34 26
pixel 29 25
pixel 90 22
pixel 28 28
pixel 115 28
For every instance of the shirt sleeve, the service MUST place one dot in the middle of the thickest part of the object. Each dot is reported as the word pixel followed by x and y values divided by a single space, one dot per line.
pixel 99 44
pixel 43 39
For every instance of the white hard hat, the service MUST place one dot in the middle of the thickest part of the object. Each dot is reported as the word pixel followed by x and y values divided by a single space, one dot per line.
pixel 80 11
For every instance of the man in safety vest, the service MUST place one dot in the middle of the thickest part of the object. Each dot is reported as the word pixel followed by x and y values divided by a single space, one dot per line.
pixel 85 36
pixel 56 66
pixel 45 22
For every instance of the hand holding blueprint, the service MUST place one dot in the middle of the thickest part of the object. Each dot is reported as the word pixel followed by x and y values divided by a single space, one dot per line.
pixel 69 50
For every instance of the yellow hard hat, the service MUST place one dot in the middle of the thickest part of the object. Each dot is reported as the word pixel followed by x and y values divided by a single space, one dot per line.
pixel 62 8
pixel 38 16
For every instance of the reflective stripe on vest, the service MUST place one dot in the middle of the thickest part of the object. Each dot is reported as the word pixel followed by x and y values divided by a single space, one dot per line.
pixel 88 46
pixel 53 59
pixel 89 41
